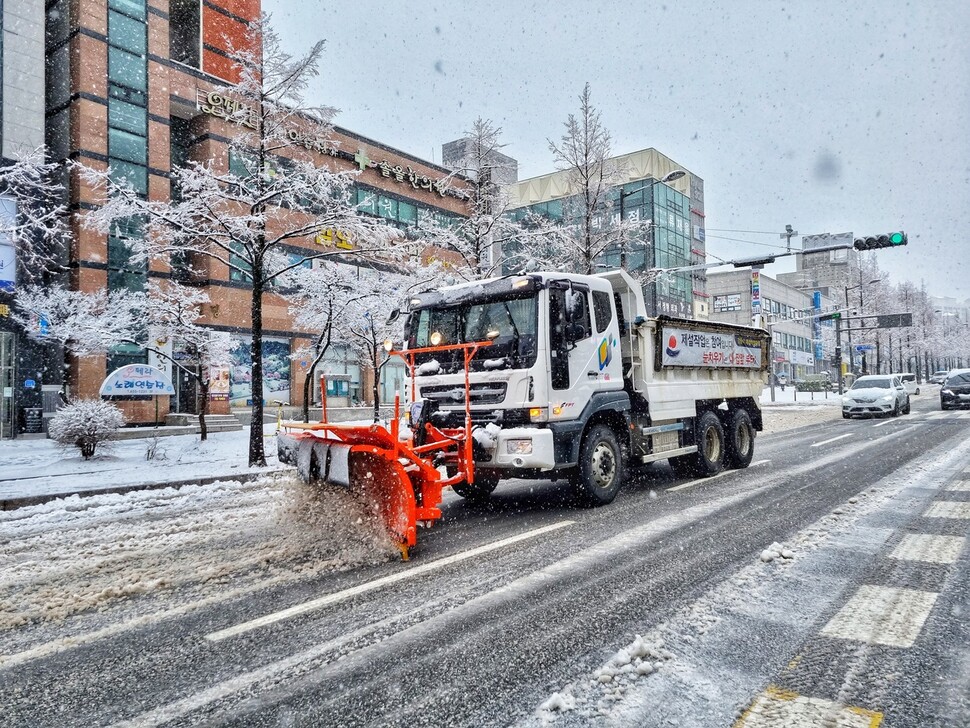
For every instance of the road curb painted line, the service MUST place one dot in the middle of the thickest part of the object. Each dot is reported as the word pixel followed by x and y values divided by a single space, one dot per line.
pixel 324 601
pixel 833 439
pixel 775 707
pixel 10 504
pixel 701 481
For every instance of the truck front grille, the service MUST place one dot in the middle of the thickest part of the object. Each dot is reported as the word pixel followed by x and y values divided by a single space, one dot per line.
pixel 454 394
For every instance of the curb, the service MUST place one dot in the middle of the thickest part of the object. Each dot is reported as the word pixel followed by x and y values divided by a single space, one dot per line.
pixel 10 504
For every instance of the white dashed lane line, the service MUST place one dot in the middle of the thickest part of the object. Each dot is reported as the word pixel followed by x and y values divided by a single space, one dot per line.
pixel 831 440
pixel 410 573
pixel 701 481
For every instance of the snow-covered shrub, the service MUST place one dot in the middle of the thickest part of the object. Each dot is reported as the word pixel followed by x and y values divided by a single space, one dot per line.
pixel 85 423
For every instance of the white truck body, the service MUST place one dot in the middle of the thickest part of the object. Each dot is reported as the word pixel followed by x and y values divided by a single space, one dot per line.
pixel 571 353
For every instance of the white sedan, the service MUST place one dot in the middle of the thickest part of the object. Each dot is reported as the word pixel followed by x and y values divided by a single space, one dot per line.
pixel 876 395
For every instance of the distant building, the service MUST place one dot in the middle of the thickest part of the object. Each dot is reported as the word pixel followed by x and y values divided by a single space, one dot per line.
pixel 675 239
pixel 796 340
pixel 30 373
pixel 454 156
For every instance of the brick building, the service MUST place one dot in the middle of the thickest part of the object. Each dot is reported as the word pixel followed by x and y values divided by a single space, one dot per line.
pixel 131 86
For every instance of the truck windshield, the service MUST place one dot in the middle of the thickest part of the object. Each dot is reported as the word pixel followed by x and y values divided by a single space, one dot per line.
pixel 509 322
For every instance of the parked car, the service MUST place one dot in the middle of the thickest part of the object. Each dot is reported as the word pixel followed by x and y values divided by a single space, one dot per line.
pixel 908 380
pixel 956 390
pixel 938 377
pixel 876 395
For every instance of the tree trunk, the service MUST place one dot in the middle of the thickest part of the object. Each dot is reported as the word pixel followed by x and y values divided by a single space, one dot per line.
pixel 202 406
pixel 308 381
pixel 257 456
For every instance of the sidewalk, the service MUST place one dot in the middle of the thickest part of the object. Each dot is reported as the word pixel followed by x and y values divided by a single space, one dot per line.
pixel 37 471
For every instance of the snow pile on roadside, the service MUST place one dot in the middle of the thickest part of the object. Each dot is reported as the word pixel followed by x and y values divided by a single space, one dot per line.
pixel 80 555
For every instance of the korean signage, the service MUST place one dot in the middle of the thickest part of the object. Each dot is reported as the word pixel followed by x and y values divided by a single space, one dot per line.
pixel 817 325
pixel 219 383
pixel 727 302
pixel 8 261
pixel 755 292
pixel 136 379
pixel 223 107
pixel 804 358
pixel 685 348
pixel 331 238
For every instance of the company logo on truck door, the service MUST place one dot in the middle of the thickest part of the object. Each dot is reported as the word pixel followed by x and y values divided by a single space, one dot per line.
pixel 672 350
pixel 606 351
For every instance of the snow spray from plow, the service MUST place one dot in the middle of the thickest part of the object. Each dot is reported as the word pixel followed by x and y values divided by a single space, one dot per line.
pixel 402 477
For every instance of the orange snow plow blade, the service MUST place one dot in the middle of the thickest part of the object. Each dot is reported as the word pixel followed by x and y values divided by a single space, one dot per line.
pixel 401 480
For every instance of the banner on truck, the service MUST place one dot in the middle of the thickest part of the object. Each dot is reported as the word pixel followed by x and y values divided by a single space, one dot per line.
pixel 684 348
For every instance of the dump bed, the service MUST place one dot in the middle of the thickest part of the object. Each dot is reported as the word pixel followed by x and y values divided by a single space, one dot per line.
pixel 674 363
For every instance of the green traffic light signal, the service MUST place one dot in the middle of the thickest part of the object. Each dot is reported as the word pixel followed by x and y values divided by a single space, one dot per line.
pixel 874 242
pixel 897 238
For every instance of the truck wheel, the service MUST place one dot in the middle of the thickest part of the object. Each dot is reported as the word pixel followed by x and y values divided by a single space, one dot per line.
pixel 600 472
pixel 709 459
pixel 485 482
pixel 739 445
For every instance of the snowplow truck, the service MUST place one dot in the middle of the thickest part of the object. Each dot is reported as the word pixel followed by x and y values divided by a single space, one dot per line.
pixel 579 381
pixel 545 375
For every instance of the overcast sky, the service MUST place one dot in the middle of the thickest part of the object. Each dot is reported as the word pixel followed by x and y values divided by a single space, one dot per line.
pixel 832 116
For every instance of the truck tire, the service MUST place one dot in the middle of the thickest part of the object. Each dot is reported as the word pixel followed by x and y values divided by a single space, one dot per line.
pixel 709 459
pixel 485 482
pixel 600 472
pixel 682 465
pixel 739 440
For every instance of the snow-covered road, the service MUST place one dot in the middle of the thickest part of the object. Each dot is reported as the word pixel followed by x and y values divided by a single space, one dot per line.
pixel 267 603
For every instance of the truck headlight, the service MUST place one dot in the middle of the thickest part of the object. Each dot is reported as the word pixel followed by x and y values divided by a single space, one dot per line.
pixel 538 414
pixel 518 447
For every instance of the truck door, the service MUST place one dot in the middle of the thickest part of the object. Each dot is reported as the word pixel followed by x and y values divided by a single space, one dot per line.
pixel 574 359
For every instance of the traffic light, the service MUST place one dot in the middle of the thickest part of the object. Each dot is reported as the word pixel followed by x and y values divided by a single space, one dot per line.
pixel 872 242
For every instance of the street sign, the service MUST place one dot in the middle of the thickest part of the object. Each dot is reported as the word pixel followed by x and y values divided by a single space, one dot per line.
pixel 894 320
pixel 864 347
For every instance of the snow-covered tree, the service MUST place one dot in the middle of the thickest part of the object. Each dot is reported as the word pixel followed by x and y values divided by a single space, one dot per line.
pixel 89 324
pixel 39 227
pixel 322 298
pixel 488 228
pixel 85 424
pixel 591 227
pixel 257 216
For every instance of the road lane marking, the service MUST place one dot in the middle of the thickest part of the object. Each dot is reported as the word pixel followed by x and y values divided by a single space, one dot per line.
pixel 834 439
pixel 692 483
pixel 948 509
pixel 924 547
pixel 399 576
pixel 776 707
pixel 959 485
pixel 882 615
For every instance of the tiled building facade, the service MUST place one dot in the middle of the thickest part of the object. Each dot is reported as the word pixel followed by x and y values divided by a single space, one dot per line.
pixel 131 89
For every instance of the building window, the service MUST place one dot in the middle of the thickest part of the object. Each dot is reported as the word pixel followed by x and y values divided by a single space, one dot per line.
pixel 185 32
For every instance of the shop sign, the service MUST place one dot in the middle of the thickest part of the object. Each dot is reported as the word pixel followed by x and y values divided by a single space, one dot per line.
pixel 755 292
pixel 136 379
pixel 728 302
pixel 4 309
pixel 406 175
pixel 331 238
pixel 313 143
pixel 223 107
pixel 218 383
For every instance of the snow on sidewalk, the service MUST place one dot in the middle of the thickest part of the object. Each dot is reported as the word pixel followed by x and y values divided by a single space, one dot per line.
pixel 40 469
